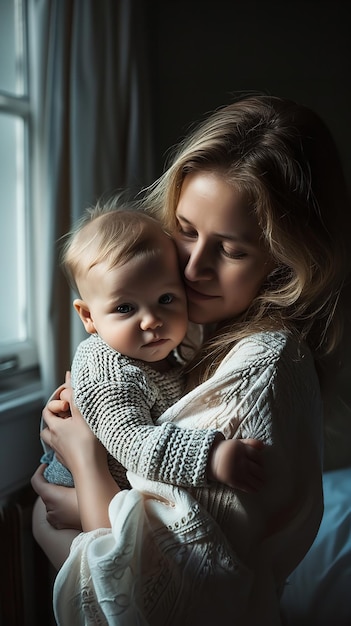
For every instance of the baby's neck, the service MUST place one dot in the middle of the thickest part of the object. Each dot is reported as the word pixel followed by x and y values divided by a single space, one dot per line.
pixel 164 365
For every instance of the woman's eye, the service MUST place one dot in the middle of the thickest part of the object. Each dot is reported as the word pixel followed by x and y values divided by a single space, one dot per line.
pixel 189 233
pixel 124 308
pixel 166 298
pixel 186 232
pixel 232 254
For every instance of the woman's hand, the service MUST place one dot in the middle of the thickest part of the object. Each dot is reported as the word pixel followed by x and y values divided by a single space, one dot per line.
pixel 60 502
pixel 55 404
pixel 82 453
pixel 74 443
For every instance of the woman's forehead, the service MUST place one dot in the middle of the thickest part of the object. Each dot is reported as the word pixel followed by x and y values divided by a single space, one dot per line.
pixel 209 201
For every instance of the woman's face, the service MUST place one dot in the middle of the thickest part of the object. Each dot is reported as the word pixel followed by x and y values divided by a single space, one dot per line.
pixel 220 248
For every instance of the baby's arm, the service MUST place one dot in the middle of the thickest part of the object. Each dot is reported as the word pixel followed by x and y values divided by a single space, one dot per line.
pixel 118 400
pixel 121 419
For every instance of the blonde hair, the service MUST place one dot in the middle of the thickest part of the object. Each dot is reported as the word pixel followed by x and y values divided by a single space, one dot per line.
pixel 282 159
pixel 110 232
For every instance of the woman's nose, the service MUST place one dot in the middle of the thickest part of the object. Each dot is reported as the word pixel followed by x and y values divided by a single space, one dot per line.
pixel 198 264
pixel 150 321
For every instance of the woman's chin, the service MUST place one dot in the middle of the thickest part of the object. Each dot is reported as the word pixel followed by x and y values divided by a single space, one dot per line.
pixel 198 315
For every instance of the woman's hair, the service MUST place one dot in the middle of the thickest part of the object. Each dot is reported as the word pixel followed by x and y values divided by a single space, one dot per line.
pixel 110 232
pixel 283 160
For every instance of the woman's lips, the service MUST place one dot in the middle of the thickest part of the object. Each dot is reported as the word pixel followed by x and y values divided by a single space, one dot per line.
pixel 193 294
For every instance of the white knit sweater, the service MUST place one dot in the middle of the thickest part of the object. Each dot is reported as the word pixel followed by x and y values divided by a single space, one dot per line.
pixel 183 557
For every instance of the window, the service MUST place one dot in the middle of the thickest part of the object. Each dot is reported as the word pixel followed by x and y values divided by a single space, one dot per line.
pixel 17 341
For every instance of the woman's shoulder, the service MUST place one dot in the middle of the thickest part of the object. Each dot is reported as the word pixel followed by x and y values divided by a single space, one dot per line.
pixel 270 348
pixel 271 344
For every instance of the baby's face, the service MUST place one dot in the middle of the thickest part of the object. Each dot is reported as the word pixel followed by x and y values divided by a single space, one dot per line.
pixel 140 308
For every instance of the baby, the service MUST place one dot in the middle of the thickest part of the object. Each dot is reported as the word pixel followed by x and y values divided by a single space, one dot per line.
pixel 130 370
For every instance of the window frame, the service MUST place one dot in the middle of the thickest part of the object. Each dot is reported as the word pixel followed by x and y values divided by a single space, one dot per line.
pixel 17 357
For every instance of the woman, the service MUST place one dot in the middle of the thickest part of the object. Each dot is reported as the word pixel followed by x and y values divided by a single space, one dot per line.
pixel 252 199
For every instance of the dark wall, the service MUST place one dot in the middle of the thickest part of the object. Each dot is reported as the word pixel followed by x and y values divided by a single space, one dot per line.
pixel 206 51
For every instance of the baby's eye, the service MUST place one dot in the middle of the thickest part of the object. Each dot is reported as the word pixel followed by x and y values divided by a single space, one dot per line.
pixel 166 298
pixel 124 308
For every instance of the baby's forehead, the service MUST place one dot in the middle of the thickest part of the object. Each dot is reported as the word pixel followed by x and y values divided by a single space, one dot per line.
pixel 145 272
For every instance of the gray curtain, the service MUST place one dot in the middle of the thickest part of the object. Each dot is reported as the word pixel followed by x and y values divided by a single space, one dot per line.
pixel 91 121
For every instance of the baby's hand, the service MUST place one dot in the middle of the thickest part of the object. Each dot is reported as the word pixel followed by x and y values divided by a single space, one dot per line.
pixel 237 463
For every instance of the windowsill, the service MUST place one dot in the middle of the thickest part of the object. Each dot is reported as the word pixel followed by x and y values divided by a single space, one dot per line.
pixel 20 389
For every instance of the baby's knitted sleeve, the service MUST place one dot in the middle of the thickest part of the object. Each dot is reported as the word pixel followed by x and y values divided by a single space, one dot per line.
pixel 118 413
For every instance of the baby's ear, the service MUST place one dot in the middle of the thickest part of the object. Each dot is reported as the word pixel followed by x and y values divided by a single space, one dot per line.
pixel 84 313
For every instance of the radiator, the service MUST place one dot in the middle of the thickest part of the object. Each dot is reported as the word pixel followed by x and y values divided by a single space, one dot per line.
pixel 26 576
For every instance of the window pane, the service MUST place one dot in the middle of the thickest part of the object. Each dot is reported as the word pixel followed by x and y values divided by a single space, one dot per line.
pixel 11 47
pixel 12 233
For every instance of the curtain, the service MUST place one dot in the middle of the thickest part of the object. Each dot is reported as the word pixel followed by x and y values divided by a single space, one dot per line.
pixel 92 135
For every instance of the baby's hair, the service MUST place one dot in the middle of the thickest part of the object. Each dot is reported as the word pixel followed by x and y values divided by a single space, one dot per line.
pixel 111 232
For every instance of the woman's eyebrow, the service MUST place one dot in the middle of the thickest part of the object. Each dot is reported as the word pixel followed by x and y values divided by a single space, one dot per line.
pixel 181 217
pixel 242 238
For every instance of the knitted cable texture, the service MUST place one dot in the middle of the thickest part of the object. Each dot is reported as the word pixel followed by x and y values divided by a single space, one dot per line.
pixel 120 398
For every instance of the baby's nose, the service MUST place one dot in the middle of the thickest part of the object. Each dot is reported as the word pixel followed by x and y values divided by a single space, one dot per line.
pixel 150 321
